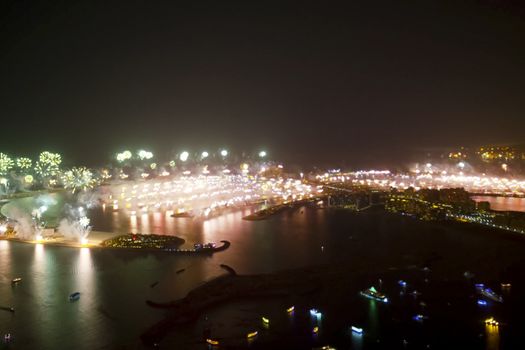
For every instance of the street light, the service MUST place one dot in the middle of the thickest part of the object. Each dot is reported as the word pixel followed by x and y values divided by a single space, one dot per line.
pixel 204 155
pixel 224 153
pixel 262 154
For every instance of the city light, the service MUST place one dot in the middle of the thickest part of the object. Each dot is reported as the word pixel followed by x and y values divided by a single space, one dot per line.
pixel 144 154
pixel 123 156
pixel 262 154
pixel 184 156
pixel 204 194
pixel 224 153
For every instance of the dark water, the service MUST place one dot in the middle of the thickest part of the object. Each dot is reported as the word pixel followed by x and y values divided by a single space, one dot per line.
pixel 111 313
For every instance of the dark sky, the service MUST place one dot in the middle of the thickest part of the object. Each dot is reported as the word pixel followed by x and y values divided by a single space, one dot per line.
pixel 364 82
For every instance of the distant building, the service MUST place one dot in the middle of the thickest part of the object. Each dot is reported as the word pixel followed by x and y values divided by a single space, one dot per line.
pixel 459 154
pixel 483 206
pixel 497 153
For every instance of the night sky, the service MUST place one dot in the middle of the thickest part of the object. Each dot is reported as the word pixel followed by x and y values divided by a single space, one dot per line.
pixel 364 83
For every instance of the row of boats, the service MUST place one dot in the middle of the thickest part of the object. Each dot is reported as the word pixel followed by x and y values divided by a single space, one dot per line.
pixel 481 289
pixel 374 294
pixel 484 291
pixel 266 323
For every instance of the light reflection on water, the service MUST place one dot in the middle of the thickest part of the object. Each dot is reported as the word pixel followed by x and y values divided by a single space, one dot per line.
pixel 492 333
pixel 114 285
pixel 357 341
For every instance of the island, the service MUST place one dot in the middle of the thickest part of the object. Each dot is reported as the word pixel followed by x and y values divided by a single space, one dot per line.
pixel 142 241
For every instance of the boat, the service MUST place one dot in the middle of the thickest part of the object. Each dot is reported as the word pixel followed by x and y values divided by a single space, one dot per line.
pixel 506 285
pixel 181 271
pixel 16 280
pixel 7 337
pixel 402 283
pixel 491 322
pixel 357 330
pixel 315 330
pixel 265 320
pixel 252 335
pixel 419 318
pixel 372 293
pixel 183 214
pixel 316 313
pixel 212 342
pixel 488 293
pixel 482 302
pixel 74 296
pixel 468 275
pixel 7 308
pixel 416 293
pixel 205 247
pixel 290 309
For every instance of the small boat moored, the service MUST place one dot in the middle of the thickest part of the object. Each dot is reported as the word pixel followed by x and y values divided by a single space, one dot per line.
pixel 74 296
pixel 16 280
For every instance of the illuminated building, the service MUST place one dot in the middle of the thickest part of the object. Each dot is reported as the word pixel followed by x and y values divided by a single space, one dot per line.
pixel 460 154
pixel 497 153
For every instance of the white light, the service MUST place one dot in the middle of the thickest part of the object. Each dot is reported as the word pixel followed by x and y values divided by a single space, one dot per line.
pixel 224 153
pixel 204 155
pixel 184 156
pixel 461 165
pixel 262 154
pixel 144 154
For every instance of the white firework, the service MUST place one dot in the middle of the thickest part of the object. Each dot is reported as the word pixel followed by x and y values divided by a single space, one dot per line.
pixel 78 179
pixel 6 164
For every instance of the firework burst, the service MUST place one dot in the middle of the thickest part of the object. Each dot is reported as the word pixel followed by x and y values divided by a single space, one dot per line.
pixel 78 179
pixel 48 164
pixel 6 164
